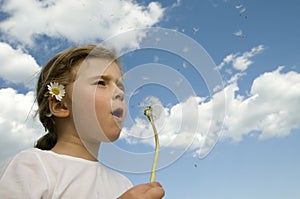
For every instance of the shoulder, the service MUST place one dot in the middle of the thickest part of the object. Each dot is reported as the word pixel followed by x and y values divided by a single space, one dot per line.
pixel 25 161
pixel 22 172
pixel 29 156
pixel 26 156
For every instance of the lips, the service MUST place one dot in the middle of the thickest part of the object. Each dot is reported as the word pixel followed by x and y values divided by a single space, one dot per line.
pixel 118 114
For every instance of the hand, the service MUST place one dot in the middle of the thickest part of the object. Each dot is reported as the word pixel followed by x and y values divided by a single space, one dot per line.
pixel 152 190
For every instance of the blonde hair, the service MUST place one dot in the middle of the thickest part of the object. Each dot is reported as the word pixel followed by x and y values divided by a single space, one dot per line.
pixel 60 69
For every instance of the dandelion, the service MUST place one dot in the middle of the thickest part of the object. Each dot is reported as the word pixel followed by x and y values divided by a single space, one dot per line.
pixel 148 113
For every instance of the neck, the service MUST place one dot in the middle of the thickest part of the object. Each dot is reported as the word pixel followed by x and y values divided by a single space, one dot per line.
pixel 73 146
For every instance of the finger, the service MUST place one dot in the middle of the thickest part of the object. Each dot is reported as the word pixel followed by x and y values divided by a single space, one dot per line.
pixel 155 184
pixel 156 192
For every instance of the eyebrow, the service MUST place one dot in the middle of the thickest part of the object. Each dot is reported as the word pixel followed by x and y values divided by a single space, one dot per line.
pixel 105 77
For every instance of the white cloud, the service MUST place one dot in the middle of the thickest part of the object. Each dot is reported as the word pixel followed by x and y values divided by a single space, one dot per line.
pixel 16 66
pixel 18 128
pixel 77 21
pixel 229 58
pixel 272 110
pixel 241 62
pixel 282 93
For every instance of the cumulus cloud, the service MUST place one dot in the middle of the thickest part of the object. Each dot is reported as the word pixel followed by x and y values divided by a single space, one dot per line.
pixel 16 66
pixel 241 62
pixel 77 21
pixel 271 110
pixel 18 128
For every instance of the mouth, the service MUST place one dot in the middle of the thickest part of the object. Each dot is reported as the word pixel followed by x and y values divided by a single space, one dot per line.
pixel 118 113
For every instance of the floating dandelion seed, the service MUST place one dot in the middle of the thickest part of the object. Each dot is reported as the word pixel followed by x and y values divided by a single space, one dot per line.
pixel 156 58
pixel 238 6
pixel 148 113
pixel 185 49
pixel 196 30
pixel 240 34
pixel 184 64
pixel 241 10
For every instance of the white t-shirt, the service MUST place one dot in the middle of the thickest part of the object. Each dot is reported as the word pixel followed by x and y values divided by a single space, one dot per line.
pixel 35 173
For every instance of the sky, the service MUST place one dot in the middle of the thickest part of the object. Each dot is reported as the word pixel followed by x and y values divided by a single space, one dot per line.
pixel 222 76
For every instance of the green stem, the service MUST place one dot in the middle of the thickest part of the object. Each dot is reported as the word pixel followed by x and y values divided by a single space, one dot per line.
pixel 148 113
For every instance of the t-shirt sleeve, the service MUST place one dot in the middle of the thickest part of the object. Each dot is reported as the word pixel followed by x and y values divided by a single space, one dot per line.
pixel 24 177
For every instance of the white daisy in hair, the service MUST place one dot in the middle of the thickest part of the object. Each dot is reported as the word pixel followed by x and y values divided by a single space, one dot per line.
pixel 56 90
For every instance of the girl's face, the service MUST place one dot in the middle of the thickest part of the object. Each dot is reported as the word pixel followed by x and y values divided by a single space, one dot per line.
pixel 98 107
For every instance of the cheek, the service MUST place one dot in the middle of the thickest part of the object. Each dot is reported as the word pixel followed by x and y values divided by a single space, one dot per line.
pixel 102 104
pixel 89 108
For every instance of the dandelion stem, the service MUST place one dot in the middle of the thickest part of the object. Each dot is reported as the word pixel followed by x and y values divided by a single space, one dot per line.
pixel 148 113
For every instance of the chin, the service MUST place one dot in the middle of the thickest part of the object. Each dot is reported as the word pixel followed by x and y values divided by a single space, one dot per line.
pixel 113 137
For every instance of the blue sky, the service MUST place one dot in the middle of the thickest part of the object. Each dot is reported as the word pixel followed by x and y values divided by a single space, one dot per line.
pixel 254 46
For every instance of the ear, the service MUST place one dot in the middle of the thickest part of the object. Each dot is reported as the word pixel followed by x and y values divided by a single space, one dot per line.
pixel 58 108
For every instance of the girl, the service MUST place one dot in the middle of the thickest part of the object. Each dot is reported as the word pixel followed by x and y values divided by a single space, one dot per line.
pixel 81 104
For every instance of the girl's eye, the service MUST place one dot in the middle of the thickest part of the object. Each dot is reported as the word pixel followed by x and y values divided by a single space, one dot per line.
pixel 100 82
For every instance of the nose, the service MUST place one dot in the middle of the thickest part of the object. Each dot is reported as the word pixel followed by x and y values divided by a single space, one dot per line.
pixel 118 93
